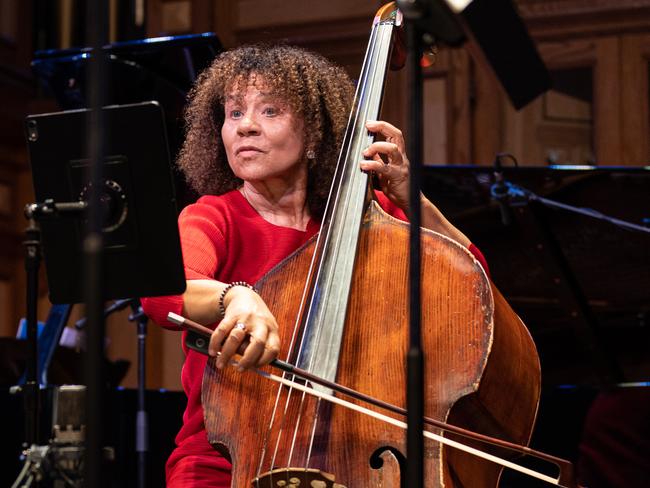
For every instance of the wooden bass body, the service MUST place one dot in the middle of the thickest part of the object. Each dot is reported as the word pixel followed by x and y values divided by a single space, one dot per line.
pixel 481 372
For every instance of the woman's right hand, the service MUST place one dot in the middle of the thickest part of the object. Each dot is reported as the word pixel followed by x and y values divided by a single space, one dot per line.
pixel 248 328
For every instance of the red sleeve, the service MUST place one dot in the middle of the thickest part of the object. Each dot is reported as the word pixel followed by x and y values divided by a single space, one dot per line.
pixel 201 243
pixel 481 259
pixel 392 209
pixel 389 207
pixel 202 240
pixel 157 308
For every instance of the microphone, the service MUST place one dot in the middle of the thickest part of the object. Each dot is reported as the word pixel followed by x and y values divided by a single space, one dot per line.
pixel 116 306
pixel 499 192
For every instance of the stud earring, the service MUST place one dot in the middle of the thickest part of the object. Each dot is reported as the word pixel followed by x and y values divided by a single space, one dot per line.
pixel 311 154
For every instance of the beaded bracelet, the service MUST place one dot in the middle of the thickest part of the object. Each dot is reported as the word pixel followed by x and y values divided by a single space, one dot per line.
pixel 222 308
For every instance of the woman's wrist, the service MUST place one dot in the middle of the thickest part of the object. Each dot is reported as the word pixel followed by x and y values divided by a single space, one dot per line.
pixel 227 294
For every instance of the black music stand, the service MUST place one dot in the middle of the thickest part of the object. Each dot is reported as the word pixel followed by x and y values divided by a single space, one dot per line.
pixel 142 254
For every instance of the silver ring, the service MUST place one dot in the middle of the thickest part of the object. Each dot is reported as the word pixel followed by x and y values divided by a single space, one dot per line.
pixel 240 326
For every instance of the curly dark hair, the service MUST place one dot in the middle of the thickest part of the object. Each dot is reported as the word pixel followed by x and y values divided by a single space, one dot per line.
pixel 316 90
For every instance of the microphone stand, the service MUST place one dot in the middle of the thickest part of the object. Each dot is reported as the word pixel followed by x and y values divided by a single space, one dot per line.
pixel 116 306
pixel 499 190
pixel 507 193
pixel 31 388
pixel 425 21
pixel 415 355
pixel 33 212
pixel 142 421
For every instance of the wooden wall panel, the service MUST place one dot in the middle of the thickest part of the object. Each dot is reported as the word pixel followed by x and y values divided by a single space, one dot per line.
pixel 635 103
pixel 534 135
pixel 607 101
pixel 16 95
pixel 620 109
pixel 435 146
pixel 488 122
pixel 572 19
pixel 344 40
pixel 256 14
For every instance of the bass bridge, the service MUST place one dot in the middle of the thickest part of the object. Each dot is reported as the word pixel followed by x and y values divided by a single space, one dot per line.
pixel 296 478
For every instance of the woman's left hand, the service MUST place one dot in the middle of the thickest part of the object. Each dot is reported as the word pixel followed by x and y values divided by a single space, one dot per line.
pixel 393 171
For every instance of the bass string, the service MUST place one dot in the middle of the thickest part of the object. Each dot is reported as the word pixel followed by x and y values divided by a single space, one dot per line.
pixel 368 73
pixel 314 271
pixel 315 268
pixel 268 434
pixel 314 265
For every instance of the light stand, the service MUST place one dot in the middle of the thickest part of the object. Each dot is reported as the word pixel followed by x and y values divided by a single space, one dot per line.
pixel 415 356
pixel 93 248
pixel 503 41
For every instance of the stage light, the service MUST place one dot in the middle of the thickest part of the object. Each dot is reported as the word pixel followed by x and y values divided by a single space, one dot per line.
pixel 457 6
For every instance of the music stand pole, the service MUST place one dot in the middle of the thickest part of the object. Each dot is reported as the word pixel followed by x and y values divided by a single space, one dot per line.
pixel 31 388
pixel 415 356
pixel 93 249
pixel 32 243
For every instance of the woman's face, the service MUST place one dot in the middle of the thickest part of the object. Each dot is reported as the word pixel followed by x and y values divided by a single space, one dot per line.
pixel 264 139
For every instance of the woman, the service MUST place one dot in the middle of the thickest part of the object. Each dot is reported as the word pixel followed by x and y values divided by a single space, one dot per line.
pixel 264 130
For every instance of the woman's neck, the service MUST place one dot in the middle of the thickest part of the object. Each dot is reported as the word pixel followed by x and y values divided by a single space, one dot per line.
pixel 281 205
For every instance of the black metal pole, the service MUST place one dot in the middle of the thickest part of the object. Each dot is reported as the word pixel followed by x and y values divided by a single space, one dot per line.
pixel 590 334
pixel 142 420
pixel 142 424
pixel 415 357
pixel 93 250
pixel 31 389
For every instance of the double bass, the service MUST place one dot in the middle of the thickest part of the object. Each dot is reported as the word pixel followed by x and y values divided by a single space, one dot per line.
pixel 341 301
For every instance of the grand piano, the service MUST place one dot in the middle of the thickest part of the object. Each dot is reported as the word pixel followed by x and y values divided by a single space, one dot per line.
pixel 579 283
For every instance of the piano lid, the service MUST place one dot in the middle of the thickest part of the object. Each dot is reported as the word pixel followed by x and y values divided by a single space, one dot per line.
pixel 140 70
pixel 161 69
